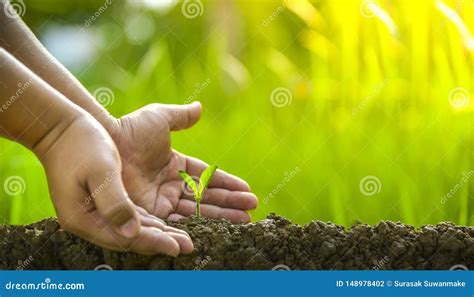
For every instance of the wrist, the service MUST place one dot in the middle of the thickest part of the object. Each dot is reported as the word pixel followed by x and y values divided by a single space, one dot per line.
pixel 46 141
pixel 100 114
pixel 33 113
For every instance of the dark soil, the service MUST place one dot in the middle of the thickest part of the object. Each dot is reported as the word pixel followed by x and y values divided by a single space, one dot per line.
pixel 272 243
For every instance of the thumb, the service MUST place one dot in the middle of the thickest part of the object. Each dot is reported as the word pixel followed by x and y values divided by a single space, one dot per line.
pixel 183 116
pixel 112 202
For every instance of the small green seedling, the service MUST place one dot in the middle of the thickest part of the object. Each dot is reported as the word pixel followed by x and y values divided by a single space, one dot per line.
pixel 198 190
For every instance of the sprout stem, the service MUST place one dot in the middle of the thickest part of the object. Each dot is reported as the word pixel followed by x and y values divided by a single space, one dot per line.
pixel 198 209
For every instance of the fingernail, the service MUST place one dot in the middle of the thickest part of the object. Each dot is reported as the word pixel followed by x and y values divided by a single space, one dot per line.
pixel 130 228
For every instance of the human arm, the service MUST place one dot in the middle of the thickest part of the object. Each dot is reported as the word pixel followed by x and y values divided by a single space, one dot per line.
pixel 150 165
pixel 81 161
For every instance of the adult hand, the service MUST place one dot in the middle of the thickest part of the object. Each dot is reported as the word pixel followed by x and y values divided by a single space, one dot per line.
pixel 150 167
pixel 83 169
pixel 81 162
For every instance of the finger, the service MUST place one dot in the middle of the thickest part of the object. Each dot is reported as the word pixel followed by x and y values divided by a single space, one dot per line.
pixel 187 208
pixel 221 179
pixel 167 200
pixel 141 210
pixel 227 199
pixel 176 230
pixel 182 237
pixel 175 217
pixel 185 243
pixel 112 202
pixel 91 225
pixel 150 240
pixel 153 241
pixel 148 221
pixel 182 116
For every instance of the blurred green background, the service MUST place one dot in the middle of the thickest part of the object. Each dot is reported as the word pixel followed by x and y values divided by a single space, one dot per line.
pixel 333 110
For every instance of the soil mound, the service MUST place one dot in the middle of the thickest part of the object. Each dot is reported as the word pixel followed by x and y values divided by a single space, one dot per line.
pixel 273 243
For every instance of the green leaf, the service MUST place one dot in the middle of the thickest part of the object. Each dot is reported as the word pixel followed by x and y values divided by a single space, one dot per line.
pixel 189 181
pixel 205 178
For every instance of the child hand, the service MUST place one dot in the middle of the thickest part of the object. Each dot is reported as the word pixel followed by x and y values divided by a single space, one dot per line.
pixel 150 167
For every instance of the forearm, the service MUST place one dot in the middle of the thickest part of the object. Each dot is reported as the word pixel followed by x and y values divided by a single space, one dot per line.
pixel 31 111
pixel 18 39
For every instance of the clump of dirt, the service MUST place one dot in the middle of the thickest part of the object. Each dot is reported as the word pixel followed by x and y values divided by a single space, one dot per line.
pixel 273 243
